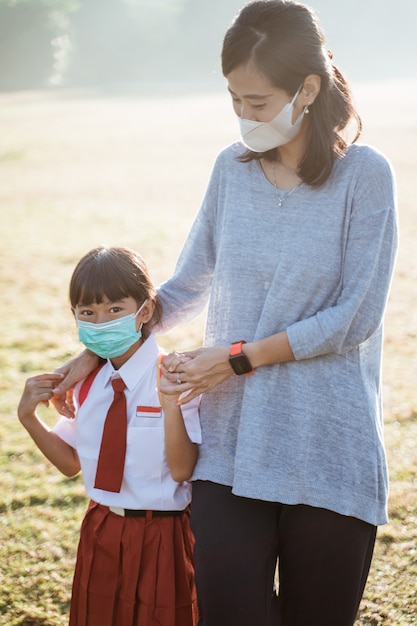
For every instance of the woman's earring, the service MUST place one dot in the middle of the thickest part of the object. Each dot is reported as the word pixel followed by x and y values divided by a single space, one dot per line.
pixel 306 109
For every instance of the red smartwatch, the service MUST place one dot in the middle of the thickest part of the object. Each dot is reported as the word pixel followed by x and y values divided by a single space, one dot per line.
pixel 238 359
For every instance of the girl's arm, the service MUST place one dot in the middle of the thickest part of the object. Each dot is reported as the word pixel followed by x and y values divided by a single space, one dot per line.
pixel 181 452
pixel 39 389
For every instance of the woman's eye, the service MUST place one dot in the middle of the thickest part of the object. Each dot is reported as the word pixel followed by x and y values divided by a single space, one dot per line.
pixel 258 106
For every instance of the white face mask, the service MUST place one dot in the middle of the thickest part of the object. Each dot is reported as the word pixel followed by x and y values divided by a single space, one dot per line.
pixel 264 136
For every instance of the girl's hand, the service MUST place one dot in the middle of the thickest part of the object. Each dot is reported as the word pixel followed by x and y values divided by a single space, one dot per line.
pixel 169 393
pixel 169 383
pixel 196 371
pixel 37 390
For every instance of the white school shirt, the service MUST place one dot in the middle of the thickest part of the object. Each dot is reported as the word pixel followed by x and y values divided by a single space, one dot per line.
pixel 147 482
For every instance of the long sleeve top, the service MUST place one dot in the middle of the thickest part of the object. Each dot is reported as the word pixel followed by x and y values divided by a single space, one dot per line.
pixel 311 430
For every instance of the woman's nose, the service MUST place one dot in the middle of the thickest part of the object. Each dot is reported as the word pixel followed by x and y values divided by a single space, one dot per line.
pixel 244 112
pixel 247 113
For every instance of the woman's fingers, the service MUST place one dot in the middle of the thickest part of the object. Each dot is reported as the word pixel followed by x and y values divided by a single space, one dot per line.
pixel 174 360
pixel 196 371
pixel 64 403
pixel 76 369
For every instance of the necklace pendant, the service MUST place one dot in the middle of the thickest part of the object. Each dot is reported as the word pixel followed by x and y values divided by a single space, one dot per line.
pixel 285 196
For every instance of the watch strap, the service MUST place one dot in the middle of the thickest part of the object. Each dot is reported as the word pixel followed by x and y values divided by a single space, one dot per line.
pixel 236 347
pixel 238 360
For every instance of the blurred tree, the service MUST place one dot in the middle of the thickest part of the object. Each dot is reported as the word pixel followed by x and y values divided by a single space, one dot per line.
pixel 122 41
pixel 114 42
pixel 25 51
pixel 27 28
pixel 101 36
pixel 134 41
pixel 109 42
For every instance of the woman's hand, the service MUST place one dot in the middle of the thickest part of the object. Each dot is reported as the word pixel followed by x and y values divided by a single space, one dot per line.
pixel 64 403
pixel 72 371
pixel 196 371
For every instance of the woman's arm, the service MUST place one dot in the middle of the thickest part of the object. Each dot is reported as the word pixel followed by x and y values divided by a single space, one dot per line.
pixel 181 452
pixel 71 372
pixel 203 369
pixel 366 273
pixel 39 389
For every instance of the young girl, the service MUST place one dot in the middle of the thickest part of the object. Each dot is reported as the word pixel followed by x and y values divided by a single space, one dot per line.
pixel 135 557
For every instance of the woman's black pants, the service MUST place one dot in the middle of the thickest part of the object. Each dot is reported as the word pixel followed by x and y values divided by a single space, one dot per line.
pixel 245 548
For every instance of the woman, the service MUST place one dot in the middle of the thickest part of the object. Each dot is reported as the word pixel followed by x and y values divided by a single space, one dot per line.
pixel 294 248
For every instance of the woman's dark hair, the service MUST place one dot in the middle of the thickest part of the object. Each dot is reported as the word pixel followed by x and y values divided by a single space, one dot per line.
pixel 284 41
pixel 114 273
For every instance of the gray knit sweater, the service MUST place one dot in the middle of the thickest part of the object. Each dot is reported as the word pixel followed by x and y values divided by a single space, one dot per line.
pixel 308 431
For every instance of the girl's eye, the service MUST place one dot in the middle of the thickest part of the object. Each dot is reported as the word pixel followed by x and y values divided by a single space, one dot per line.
pixel 85 312
pixel 115 309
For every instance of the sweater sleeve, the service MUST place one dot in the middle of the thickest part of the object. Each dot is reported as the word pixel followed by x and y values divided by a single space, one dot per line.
pixel 368 265
pixel 186 293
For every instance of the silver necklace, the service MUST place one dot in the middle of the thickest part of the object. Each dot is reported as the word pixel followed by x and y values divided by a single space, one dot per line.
pixel 285 196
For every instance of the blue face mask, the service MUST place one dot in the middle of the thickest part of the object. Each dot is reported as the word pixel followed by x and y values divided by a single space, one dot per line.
pixel 110 339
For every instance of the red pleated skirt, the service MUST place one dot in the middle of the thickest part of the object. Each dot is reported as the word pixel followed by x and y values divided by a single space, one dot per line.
pixel 132 571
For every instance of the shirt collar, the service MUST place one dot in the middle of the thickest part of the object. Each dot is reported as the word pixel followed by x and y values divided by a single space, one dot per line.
pixel 144 357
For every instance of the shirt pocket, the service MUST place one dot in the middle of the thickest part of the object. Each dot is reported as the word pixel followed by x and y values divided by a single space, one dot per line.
pixel 145 444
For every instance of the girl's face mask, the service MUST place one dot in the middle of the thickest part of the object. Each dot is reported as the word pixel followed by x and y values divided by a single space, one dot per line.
pixel 264 136
pixel 110 339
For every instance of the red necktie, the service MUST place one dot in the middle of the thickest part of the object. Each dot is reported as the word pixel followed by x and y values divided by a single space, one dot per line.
pixel 111 460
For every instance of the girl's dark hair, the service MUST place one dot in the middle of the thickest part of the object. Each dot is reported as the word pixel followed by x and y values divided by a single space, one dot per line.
pixel 284 41
pixel 114 273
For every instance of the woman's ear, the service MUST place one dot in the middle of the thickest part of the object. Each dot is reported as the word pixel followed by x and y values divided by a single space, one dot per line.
pixel 311 89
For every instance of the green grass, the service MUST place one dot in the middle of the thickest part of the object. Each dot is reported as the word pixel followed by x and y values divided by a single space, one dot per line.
pixel 79 171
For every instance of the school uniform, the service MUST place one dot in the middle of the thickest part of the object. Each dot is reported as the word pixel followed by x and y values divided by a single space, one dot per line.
pixel 135 556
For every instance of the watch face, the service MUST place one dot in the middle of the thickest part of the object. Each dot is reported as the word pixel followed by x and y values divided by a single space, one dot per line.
pixel 240 364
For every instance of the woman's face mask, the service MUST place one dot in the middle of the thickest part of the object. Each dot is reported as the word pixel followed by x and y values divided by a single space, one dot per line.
pixel 110 339
pixel 264 136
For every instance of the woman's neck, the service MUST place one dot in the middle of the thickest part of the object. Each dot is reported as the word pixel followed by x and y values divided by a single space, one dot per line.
pixel 281 175
pixel 282 172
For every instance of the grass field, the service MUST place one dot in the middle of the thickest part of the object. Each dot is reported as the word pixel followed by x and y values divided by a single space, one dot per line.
pixel 78 170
